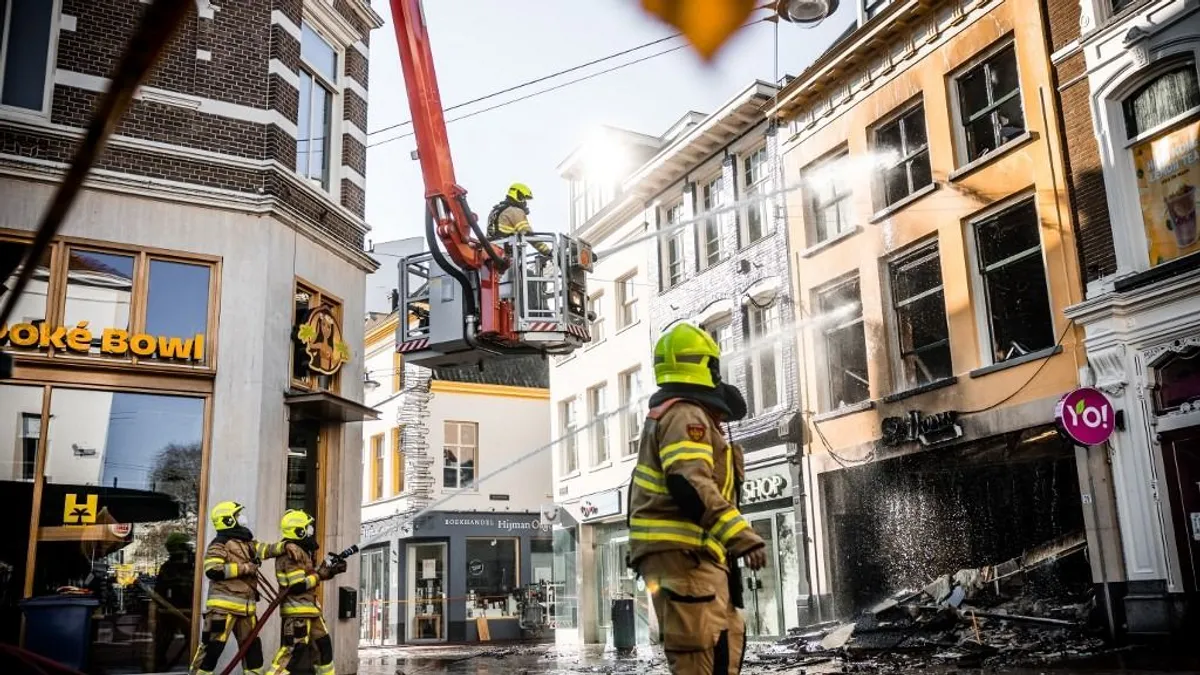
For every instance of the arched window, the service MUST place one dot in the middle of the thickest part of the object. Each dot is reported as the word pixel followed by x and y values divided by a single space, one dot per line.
pixel 1164 98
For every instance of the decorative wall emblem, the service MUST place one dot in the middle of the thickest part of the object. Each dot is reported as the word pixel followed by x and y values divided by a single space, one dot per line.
pixel 322 338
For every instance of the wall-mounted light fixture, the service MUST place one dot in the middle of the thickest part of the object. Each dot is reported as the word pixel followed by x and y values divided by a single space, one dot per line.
pixel 805 12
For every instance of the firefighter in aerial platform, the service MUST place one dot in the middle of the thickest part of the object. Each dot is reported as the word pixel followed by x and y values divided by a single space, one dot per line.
pixel 231 564
pixel 300 576
pixel 686 533
pixel 511 217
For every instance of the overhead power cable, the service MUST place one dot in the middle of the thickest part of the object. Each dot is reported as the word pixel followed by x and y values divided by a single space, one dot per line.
pixel 539 92
pixel 539 80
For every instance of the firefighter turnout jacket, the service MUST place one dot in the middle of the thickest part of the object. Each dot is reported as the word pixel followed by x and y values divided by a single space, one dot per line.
pixel 293 567
pixel 232 566
pixel 682 444
pixel 508 219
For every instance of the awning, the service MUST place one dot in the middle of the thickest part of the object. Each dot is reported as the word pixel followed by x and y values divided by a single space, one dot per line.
pixel 325 407
pixel 123 505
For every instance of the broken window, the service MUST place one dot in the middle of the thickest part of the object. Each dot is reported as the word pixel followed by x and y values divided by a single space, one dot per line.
pixel 1168 96
pixel 756 222
pixel 762 377
pixel 673 247
pixel 711 229
pixel 919 307
pixel 829 198
pixel 906 151
pixel 989 101
pixel 1009 250
pixel 721 331
pixel 845 343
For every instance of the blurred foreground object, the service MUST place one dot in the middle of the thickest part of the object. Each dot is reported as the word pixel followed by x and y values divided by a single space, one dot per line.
pixel 706 24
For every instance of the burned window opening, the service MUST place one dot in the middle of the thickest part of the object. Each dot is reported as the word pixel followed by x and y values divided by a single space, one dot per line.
pixel 910 170
pixel 845 344
pixel 919 308
pixel 1016 295
pixel 989 99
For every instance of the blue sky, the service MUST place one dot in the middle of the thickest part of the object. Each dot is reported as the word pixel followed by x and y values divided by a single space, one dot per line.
pixel 481 46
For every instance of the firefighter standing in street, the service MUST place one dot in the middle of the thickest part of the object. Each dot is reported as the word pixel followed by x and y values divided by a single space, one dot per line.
pixel 231 564
pixel 300 577
pixel 686 533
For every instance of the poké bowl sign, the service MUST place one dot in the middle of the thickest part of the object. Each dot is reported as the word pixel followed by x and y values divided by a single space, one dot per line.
pixel 81 339
pixel 1086 416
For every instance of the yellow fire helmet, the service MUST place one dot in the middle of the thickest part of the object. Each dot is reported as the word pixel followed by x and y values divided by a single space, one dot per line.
pixel 296 525
pixel 519 192
pixel 226 515
pixel 686 355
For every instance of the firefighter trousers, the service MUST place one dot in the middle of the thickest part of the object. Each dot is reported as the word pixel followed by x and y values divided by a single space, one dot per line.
pixel 297 635
pixel 218 627
pixel 701 632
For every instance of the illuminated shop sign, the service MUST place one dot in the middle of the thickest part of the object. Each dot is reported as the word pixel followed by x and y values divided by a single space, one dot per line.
pixel 113 341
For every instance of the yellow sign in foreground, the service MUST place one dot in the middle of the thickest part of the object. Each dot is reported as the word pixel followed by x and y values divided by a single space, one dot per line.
pixel 706 24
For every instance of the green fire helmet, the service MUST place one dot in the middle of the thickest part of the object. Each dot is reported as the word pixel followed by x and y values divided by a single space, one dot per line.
pixel 686 354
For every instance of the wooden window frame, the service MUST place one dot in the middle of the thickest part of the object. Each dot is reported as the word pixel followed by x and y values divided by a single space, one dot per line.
pixel 375 489
pixel 56 298
pixel 317 294
pixel 397 372
pixel 474 486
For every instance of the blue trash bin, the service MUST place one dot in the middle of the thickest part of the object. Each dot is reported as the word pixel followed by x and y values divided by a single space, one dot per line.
pixel 59 627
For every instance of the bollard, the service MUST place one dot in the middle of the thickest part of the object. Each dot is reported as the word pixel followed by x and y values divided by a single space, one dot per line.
pixel 624 638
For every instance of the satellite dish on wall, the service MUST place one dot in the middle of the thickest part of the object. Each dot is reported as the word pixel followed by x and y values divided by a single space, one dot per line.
pixel 806 12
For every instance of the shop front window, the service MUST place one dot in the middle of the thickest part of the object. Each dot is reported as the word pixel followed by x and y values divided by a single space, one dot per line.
pixel 31 307
pixel 20 427
pixel 303 460
pixel 427 591
pixel 564 610
pixel 1178 379
pixel 492 574
pixel 375 626
pixel 119 517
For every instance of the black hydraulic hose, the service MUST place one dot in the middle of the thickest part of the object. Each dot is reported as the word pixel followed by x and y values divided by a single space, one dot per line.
pixel 469 303
pixel 500 263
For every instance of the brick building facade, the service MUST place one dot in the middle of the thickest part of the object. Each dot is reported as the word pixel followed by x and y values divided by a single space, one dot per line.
pixel 212 274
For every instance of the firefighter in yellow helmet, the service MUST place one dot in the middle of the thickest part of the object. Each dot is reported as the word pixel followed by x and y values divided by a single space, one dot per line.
pixel 685 530
pixel 511 216
pixel 300 576
pixel 231 564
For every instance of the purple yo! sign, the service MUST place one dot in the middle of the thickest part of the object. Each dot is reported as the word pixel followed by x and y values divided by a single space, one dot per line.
pixel 1086 416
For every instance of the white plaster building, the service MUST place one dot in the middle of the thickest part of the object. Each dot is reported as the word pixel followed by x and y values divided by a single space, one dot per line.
pixel 438 434
pixel 1142 321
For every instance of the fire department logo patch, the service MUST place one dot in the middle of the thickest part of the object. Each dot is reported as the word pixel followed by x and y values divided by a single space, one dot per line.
pixel 696 432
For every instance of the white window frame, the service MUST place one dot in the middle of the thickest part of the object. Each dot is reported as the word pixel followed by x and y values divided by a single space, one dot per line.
pixel 810 211
pixel 1120 175
pixel 474 486
pixel 881 202
pixel 983 325
pixel 595 304
pixel 710 196
pixel 956 113
pixel 759 186
pixel 599 437
pixel 900 382
pixel 627 300
pixel 713 327
pixel 568 423
pixel 629 385
pixel 42 115
pixel 336 102
pixel 754 357
pixel 667 280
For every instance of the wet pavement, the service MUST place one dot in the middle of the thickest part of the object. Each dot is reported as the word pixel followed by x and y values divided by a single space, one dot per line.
pixel 573 660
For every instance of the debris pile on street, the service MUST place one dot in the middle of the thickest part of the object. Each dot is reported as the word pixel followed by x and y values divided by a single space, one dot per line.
pixel 1013 614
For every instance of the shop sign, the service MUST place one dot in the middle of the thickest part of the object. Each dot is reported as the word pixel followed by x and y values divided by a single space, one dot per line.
pixel 475 567
pixel 76 512
pixel 765 488
pixel 322 339
pixel 1168 180
pixel 916 426
pixel 1086 416
pixel 113 341
pixel 601 505
pixel 502 524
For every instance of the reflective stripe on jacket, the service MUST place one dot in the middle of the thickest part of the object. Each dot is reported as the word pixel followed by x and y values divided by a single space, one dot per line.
pixel 679 438
pixel 295 566
pixel 235 594
pixel 512 220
